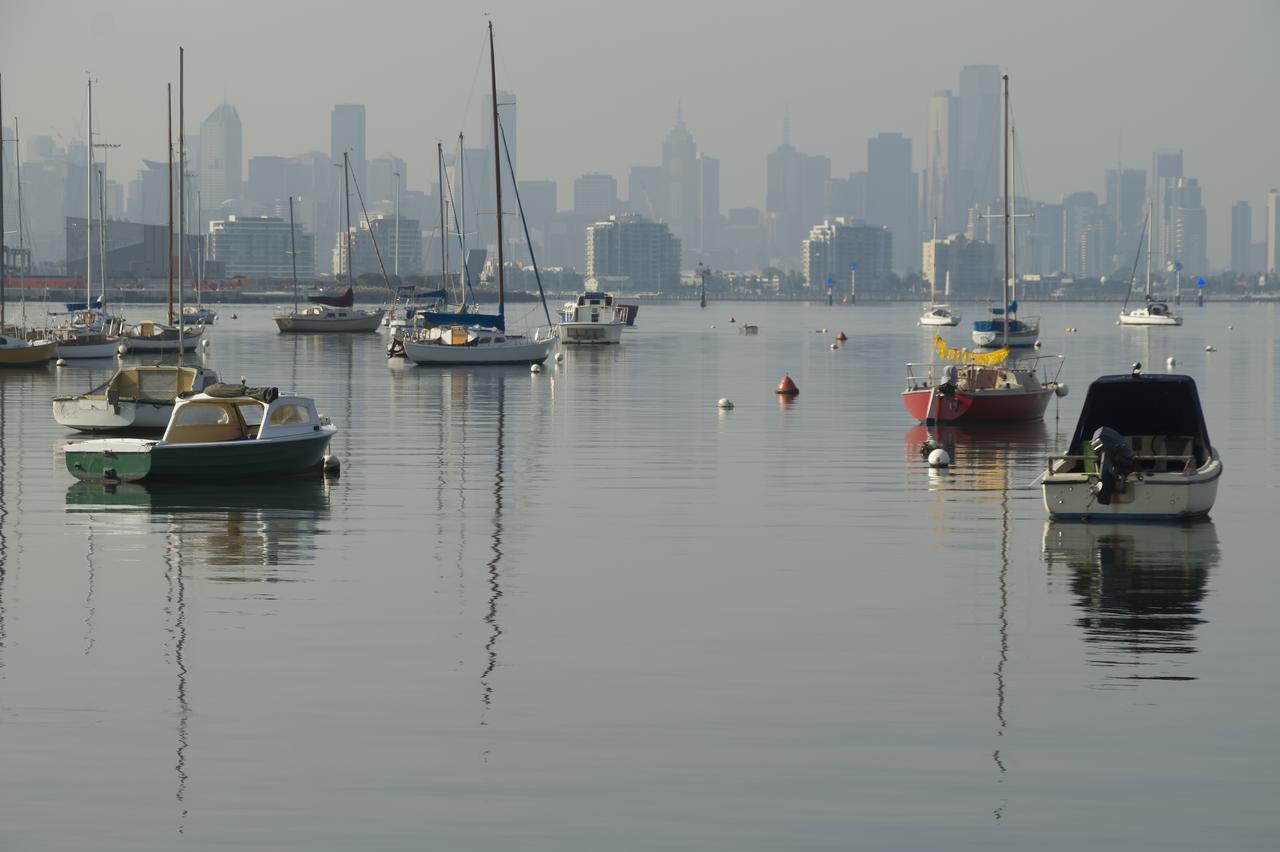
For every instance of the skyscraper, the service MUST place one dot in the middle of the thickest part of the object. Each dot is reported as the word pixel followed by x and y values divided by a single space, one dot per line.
pixel 1186 229
pixel 1126 206
pixel 220 160
pixel 794 196
pixel 1273 232
pixel 708 202
pixel 595 196
pixel 346 134
pixel 978 158
pixel 1241 237
pixel 940 190
pixel 680 183
pixel 1166 167
pixel 891 195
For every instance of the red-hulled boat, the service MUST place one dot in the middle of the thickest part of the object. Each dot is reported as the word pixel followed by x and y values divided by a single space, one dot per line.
pixel 984 387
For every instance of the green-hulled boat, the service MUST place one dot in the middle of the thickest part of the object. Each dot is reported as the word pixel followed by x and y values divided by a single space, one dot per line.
pixel 226 432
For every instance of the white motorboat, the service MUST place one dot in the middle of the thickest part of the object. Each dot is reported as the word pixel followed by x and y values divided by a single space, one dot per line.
pixel 1152 311
pixel 939 315
pixel 630 309
pixel 592 318
pixel 151 336
pixel 324 318
pixel 139 397
pixel 1140 451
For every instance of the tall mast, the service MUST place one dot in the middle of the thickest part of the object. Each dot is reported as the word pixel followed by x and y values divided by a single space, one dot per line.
pixel 497 174
pixel 1013 216
pixel 3 257
pixel 444 270
pixel 462 218
pixel 182 197
pixel 1149 218
pixel 102 236
pixel 169 257
pixel 933 279
pixel 88 206
pixel 346 180
pixel 1004 334
pixel 293 256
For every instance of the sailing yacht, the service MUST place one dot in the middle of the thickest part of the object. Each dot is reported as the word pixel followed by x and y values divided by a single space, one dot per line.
pixel 1005 328
pixel 1152 311
pixel 985 387
pixel 477 339
pixel 939 314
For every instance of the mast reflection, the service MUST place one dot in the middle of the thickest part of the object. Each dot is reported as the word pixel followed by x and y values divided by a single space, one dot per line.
pixel 1139 587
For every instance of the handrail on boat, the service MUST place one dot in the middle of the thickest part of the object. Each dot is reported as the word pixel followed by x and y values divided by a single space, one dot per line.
pixel 1031 362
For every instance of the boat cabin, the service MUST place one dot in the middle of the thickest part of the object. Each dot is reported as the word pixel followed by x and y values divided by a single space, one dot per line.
pixel 161 384
pixel 592 307
pixel 256 414
pixel 326 312
pixel 1158 416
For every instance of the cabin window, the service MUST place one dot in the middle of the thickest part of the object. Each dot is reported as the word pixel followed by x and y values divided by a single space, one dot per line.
pixel 251 414
pixel 202 415
pixel 289 414
pixel 3 342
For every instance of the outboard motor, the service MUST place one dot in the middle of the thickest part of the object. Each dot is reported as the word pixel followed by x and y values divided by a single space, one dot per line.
pixel 1115 463
pixel 950 378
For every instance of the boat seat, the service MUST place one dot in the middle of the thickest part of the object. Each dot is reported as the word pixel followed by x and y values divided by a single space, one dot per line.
pixel 985 379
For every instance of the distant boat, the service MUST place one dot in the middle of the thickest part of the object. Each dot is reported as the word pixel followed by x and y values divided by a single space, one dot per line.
pixel 592 318
pixel 1140 451
pixel 1152 311
pixel 148 336
pixel 939 314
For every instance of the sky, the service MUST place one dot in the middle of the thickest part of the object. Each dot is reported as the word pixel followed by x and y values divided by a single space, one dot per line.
pixel 1094 82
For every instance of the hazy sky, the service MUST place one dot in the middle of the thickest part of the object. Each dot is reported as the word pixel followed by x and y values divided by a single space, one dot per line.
pixel 598 82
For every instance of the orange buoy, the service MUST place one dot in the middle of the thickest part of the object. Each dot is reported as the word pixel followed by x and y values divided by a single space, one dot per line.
pixel 840 337
pixel 786 387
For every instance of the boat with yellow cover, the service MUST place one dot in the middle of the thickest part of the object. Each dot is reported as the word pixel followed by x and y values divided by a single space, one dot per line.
pixel 138 398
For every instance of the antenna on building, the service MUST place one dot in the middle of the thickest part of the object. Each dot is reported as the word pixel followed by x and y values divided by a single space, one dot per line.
pixel 786 127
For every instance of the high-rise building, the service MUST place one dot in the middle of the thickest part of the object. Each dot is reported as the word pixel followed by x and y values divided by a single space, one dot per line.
pixel 709 220
pixel 641 255
pixel 386 174
pixel 259 246
pixel 220 157
pixel 1186 228
pixel 795 196
pixel 967 265
pixel 979 153
pixel 644 192
pixel 941 195
pixel 1126 208
pixel 1166 168
pixel 268 180
pixel 595 196
pixel 1083 236
pixel 891 194
pixel 847 197
pixel 346 135
pixel 1241 237
pixel 680 183
pixel 834 246
pixel 1273 232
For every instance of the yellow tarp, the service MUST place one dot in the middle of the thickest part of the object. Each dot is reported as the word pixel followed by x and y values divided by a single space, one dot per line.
pixel 964 356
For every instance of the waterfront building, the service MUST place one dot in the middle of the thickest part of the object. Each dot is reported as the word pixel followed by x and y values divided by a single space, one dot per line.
pixel 1241 237
pixel 941 195
pixel 259 247
pixel 835 244
pixel 643 251
pixel 970 264
pixel 891 198
pixel 1186 226
pixel 218 158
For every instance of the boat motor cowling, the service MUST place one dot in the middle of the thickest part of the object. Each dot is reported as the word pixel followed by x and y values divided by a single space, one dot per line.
pixel 1115 463
pixel 950 378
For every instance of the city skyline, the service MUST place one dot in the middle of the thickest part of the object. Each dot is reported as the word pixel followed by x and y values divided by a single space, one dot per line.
pixel 561 139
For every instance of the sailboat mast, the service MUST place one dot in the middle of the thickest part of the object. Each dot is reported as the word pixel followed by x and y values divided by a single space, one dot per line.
pixel 346 182
pixel 102 237
pixel 462 218
pixel 3 257
pixel 293 256
pixel 168 265
pixel 88 206
pixel 1149 217
pixel 933 279
pixel 444 262
pixel 1004 334
pixel 182 198
pixel 1013 216
pixel 497 174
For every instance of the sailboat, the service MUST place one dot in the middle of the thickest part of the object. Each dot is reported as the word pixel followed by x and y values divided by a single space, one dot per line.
pixel 477 339
pixel 15 349
pixel 329 313
pixel 171 336
pixel 985 386
pixel 939 314
pixel 1151 312
pixel 1005 328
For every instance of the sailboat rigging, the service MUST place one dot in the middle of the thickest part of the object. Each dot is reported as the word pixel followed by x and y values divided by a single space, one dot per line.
pixel 1152 311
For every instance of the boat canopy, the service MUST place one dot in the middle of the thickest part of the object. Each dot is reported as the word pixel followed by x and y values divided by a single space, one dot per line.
pixel 1141 404
pixel 463 318
pixel 342 300
pixel 76 307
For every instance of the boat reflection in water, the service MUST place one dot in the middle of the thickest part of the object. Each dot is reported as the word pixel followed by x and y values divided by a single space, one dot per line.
pixel 990 457
pixel 1139 587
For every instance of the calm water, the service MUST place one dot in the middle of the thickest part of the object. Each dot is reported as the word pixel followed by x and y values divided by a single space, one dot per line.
pixel 585 610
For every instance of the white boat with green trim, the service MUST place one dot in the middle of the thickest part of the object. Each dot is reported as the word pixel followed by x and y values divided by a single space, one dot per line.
pixel 226 432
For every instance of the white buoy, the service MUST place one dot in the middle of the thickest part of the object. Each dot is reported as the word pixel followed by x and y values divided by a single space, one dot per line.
pixel 61 362
pixel 834 347
pixel 121 349
pixel 1231 328
pixel 330 465
pixel 713 326
pixel 1061 389
pixel 205 343
pixel 725 404
pixel 1171 362
pixel 1210 349
pixel 939 458
pixel 535 368
pixel 823 331
pixel 1037 344
pixel 1117 322
pixel 559 357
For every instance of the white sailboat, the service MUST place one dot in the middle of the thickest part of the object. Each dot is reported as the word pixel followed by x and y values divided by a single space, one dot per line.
pixel 480 339
pixel 1005 328
pixel 939 314
pixel 1151 311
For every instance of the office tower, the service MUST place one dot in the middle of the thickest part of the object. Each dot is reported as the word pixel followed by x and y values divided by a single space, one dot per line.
pixel 1126 207
pixel 941 197
pixel 680 189
pixel 1186 229
pixel 835 245
pixel 218 158
pixel 847 197
pixel 595 196
pixel 538 197
pixel 259 246
pixel 386 175
pixel 708 201
pixel 1273 232
pixel 1241 237
pixel 638 254
pixel 978 159
pixel 346 134
pixel 644 191
pixel 795 196
pixel 1081 236
pixel 268 180
pixel 1166 168
pixel 891 194
pixel 969 264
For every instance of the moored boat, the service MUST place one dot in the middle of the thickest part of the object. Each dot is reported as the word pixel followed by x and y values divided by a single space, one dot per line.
pixel 987 387
pixel 937 315
pixel 135 398
pixel 148 336
pixel 225 432
pixel 1140 451
pixel 592 318
pixel 319 319
pixel 16 351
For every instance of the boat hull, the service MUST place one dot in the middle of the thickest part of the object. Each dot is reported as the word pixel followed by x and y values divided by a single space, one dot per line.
pixel 166 343
pixel 290 324
pixel 1016 338
pixel 937 321
pixel 99 415
pixel 1149 320
pixel 994 406
pixel 27 356
pixel 80 349
pixel 1152 497
pixel 133 460
pixel 578 333
pixel 519 351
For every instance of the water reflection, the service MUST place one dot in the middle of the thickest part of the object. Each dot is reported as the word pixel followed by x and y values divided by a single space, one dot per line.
pixel 995 457
pixel 1139 587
